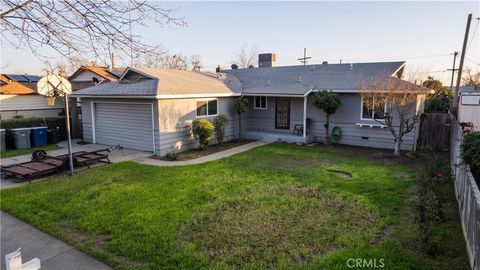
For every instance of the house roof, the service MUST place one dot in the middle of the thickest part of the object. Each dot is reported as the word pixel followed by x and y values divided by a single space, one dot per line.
pixel 163 83
pixel 300 80
pixel 465 89
pixel 9 87
pixel 286 80
pixel 104 72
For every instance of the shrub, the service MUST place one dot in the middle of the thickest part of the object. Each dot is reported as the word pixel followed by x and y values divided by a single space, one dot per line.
pixel 241 106
pixel 219 124
pixel 56 127
pixel 329 102
pixel 171 155
pixel 203 130
pixel 470 152
pixel 429 205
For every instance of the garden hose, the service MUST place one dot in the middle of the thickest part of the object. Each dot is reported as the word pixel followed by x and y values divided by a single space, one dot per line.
pixel 336 134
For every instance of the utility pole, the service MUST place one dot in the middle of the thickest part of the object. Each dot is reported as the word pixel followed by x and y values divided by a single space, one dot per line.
pixel 453 69
pixel 304 59
pixel 460 68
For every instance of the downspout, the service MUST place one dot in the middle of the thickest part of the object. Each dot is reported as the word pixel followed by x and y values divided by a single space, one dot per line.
pixel 305 117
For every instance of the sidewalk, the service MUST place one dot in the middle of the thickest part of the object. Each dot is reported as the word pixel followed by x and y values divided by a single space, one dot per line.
pixel 53 254
pixel 200 160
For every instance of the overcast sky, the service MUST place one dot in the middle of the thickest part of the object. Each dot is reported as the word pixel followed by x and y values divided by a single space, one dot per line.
pixel 424 34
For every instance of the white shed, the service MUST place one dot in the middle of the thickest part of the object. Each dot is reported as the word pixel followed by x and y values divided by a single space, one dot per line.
pixel 469 109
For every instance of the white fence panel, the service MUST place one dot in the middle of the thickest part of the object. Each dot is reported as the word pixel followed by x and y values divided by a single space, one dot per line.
pixel 468 196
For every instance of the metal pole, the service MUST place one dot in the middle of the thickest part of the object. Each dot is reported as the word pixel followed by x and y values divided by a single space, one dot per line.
pixel 460 68
pixel 453 69
pixel 67 114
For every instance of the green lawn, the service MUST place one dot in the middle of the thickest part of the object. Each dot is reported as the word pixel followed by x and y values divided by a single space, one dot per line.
pixel 18 152
pixel 280 206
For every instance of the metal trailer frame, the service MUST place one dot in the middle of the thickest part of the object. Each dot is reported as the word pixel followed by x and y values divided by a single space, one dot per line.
pixel 45 165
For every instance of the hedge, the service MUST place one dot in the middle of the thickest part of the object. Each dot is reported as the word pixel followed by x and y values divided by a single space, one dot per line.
pixel 56 127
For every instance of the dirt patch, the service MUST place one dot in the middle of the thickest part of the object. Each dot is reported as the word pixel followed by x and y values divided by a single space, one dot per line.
pixel 383 234
pixel 341 173
pixel 196 153
pixel 278 223
pixel 97 243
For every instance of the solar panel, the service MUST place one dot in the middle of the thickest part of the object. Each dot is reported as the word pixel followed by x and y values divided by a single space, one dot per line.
pixel 32 78
pixel 16 78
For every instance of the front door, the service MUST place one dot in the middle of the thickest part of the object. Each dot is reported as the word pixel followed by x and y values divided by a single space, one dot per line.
pixel 282 113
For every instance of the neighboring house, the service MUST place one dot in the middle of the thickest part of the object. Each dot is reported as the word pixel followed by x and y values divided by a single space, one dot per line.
pixel 88 76
pixel 469 108
pixel 151 110
pixel 19 98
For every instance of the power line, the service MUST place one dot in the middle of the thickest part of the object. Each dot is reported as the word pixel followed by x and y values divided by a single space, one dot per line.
pixel 474 32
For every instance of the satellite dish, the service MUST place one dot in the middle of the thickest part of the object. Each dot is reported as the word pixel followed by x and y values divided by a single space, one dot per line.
pixel 95 80
pixel 53 85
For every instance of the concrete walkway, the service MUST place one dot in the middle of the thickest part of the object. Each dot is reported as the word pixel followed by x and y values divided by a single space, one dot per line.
pixel 200 160
pixel 53 254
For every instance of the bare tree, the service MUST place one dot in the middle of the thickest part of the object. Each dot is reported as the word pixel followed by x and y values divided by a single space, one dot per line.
pixel 392 102
pixel 151 59
pixel 471 79
pixel 81 26
pixel 196 62
pixel 176 61
pixel 246 57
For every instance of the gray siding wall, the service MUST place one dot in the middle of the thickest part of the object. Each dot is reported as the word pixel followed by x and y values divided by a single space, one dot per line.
pixel 346 118
pixel 87 121
pixel 264 119
pixel 176 117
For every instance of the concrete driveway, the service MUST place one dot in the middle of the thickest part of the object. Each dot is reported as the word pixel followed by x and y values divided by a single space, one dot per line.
pixel 115 156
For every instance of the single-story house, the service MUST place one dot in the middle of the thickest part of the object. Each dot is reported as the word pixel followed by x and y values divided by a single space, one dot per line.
pixel 151 109
pixel 19 98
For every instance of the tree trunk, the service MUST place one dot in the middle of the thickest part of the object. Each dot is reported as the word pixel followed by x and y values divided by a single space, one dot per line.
pixel 398 143
pixel 327 130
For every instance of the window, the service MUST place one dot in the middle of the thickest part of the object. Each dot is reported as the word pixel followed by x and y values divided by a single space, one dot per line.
pixel 260 102
pixel 373 108
pixel 207 107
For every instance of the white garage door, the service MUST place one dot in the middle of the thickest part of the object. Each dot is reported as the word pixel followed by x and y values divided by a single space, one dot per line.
pixel 128 125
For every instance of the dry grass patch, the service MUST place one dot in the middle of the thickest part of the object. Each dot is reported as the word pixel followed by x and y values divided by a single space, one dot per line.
pixel 280 224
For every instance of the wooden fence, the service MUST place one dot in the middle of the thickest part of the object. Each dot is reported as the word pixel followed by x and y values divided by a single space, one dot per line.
pixel 434 134
pixel 468 196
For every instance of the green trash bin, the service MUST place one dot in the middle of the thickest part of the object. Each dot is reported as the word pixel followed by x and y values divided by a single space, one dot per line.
pixel 21 136
pixel 2 139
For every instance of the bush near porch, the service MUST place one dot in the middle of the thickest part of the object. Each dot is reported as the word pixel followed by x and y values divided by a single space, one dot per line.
pixel 279 206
